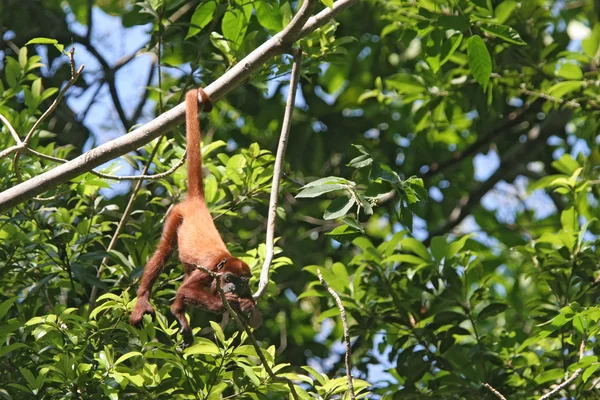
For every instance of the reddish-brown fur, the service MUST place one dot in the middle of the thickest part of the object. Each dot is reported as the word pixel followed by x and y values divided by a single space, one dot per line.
pixel 190 226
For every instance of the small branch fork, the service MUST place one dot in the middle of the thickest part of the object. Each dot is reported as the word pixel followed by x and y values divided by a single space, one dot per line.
pixel 22 145
pixel 340 305
pixel 242 323
pixel 283 140
pixel 558 388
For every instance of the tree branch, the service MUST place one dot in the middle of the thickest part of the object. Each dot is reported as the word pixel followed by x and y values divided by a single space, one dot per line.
pixel 570 379
pixel 494 391
pixel 234 77
pixel 138 110
pixel 109 77
pixel 516 155
pixel 283 139
pixel 514 118
pixel 242 323
pixel 346 332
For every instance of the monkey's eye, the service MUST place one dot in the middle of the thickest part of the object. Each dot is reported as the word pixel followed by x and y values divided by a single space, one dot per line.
pixel 228 278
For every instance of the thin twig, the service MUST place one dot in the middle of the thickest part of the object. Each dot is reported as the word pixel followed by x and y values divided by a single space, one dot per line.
pixel 346 332
pixel 23 145
pixel 50 110
pixel 11 149
pixel 136 188
pixel 569 103
pixel 283 140
pixel 235 76
pixel 570 379
pixel 11 129
pixel 243 324
pixel 494 391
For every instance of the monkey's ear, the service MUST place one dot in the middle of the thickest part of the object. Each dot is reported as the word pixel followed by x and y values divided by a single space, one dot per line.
pixel 221 264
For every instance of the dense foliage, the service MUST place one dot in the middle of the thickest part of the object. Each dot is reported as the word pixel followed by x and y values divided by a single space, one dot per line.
pixel 442 173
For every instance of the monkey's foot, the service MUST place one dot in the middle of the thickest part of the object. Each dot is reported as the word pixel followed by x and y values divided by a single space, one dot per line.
pixel 188 340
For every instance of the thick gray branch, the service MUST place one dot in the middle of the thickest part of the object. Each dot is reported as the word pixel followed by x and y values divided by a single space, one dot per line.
pixel 174 117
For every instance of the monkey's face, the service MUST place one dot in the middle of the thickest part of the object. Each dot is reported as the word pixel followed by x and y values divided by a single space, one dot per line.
pixel 236 277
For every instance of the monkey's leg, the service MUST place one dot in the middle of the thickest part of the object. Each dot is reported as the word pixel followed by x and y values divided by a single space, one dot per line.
pixel 155 265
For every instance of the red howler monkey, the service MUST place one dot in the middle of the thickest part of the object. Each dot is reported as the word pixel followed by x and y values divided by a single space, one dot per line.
pixel 190 226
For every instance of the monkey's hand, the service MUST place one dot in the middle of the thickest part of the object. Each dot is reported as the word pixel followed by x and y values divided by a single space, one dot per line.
pixel 142 307
pixel 247 305
pixel 233 300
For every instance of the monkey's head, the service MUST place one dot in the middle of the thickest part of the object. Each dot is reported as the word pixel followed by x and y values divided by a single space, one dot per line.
pixel 235 276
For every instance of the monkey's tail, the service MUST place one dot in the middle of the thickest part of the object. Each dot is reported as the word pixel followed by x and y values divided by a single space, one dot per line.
pixel 193 137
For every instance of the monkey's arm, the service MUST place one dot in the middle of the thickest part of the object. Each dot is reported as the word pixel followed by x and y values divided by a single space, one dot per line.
pixel 155 265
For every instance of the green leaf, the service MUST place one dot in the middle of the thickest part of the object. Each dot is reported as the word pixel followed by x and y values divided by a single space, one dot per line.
pixel 324 185
pixel 480 61
pixel 491 310
pixel 201 17
pixel 405 258
pixel 550 375
pixel 23 57
pixel 156 4
pixel 589 372
pixel 439 247
pixel 4 350
pixel 344 234
pixel 566 164
pixel 328 3
pixel 12 70
pixel 503 32
pixel 203 346
pixel 128 356
pixel 36 88
pixel 504 10
pixel 562 88
pixel 250 374
pixel 235 22
pixel 321 378
pixel 384 172
pixel 405 83
pixel 480 3
pixel 364 160
pixel 43 40
pixel 570 71
pixel 339 207
pixel 413 245
pixel 439 49
pixel 221 44
pixel 457 245
pixel 591 44
pixel 218 331
pixel 268 15
pixel 6 305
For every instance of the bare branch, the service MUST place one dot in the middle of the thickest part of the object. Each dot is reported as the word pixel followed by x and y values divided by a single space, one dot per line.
pixel 570 379
pixel 494 391
pixel 11 149
pixel 50 110
pixel 234 77
pixel 346 333
pixel 11 129
pixel 283 140
pixel 138 110
pixel 242 323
